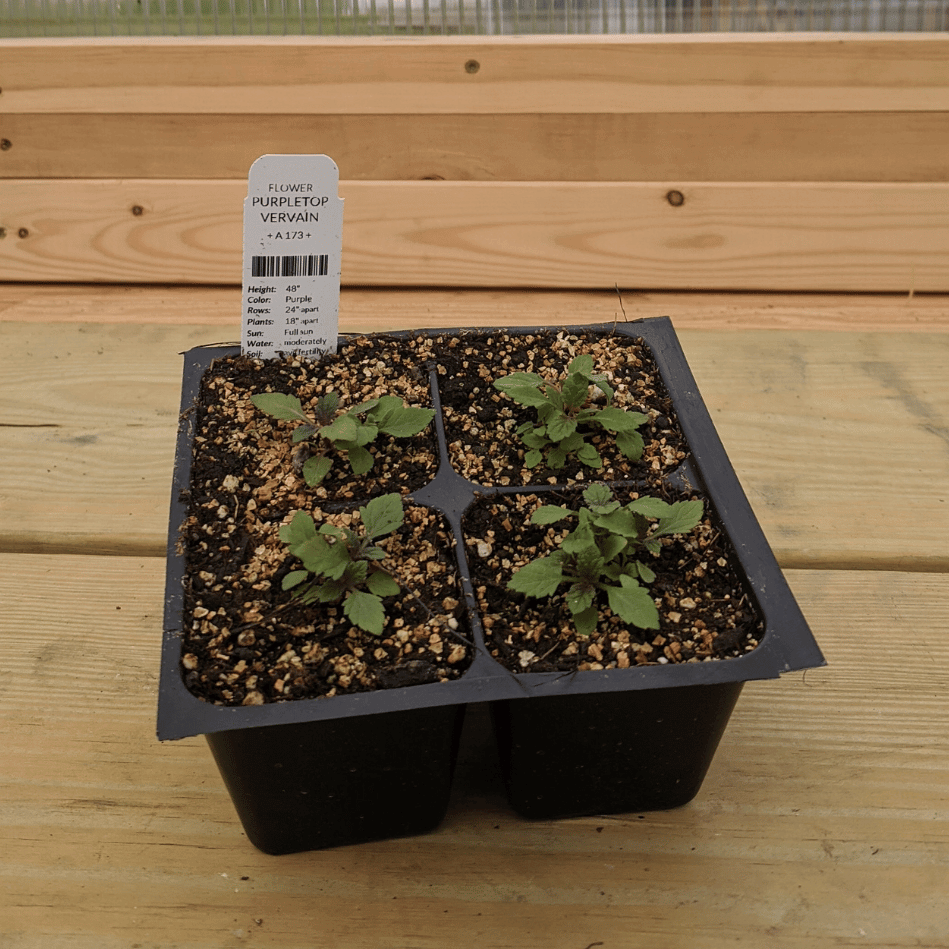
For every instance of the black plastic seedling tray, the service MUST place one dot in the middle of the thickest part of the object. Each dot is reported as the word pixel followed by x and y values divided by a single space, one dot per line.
pixel 306 774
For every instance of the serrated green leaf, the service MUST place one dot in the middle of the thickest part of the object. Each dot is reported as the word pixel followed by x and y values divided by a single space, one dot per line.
pixel 526 396
pixel 560 428
pixel 315 469
pixel 294 578
pixel 360 460
pixel 406 422
pixel 556 458
pixel 344 429
pixel 585 621
pixel 533 458
pixel 307 594
pixel 302 432
pixel 589 563
pixel 618 420
pixel 332 563
pixel 539 578
pixel 611 545
pixel 356 573
pixel 580 597
pixel 549 514
pixel 386 405
pixel 576 390
pixel 532 439
pixel 518 380
pixel 326 406
pixel 555 401
pixel 365 434
pixel 599 497
pixel 374 553
pixel 299 529
pixel 366 406
pixel 589 456
pixel 365 611
pixel 572 443
pixel 620 521
pixel 630 445
pixel 382 515
pixel 647 575
pixel 682 517
pixel 649 507
pixel 633 604
pixel 381 584
pixel 579 540
pixel 582 364
pixel 312 552
pixel 331 591
pixel 281 406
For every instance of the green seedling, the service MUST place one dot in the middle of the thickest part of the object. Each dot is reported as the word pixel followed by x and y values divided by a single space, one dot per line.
pixel 327 429
pixel 341 564
pixel 602 555
pixel 566 416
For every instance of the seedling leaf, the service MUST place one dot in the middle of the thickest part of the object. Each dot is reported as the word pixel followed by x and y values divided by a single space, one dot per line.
pixel 365 611
pixel 381 584
pixel 539 578
pixel 633 604
pixel 406 422
pixel 294 578
pixel 360 460
pixel 683 516
pixel 316 468
pixel 382 515
pixel 549 514
pixel 280 406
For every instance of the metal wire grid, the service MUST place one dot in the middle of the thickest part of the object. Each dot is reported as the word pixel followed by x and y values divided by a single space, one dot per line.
pixel 475 17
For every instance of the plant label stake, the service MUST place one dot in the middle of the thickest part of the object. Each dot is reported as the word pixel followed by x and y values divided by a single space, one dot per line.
pixel 293 237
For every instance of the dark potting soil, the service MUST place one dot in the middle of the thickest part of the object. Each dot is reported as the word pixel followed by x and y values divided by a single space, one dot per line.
pixel 249 642
pixel 705 613
pixel 480 421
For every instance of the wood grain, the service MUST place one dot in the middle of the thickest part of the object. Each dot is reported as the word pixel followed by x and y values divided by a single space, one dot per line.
pixel 367 309
pixel 840 439
pixel 822 821
pixel 590 74
pixel 714 146
pixel 747 236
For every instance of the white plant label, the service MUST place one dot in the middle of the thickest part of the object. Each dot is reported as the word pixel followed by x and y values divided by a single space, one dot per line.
pixel 293 242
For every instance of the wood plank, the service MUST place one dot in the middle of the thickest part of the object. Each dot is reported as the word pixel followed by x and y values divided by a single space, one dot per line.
pixel 825 430
pixel 823 820
pixel 747 236
pixel 589 74
pixel 364 309
pixel 714 146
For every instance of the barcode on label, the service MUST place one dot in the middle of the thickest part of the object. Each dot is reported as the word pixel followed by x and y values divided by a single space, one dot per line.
pixel 304 265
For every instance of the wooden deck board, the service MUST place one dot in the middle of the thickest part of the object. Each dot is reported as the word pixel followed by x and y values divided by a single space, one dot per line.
pixel 364 309
pixel 823 821
pixel 735 235
pixel 513 74
pixel 840 439
pixel 709 146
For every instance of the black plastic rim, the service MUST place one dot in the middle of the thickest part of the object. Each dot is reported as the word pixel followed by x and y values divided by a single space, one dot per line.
pixel 786 645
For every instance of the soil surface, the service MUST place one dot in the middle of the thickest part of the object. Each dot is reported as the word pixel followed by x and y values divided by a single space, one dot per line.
pixel 248 642
pixel 705 613
pixel 480 421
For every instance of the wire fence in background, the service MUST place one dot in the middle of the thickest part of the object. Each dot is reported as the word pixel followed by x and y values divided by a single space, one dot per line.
pixel 38 18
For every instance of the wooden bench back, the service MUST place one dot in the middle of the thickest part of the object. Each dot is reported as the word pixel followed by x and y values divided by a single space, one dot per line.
pixel 765 162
